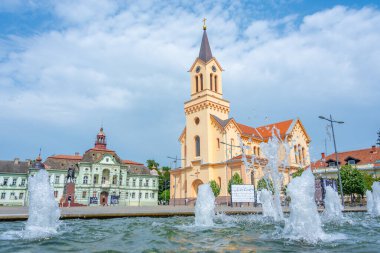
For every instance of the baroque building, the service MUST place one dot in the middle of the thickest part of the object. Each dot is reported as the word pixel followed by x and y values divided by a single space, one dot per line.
pixel 210 140
pixel 101 178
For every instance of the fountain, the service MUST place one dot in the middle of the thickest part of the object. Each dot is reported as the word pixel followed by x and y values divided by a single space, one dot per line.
pixel 205 205
pixel 43 209
pixel 304 222
pixel 266 199
pixel 276 153
pixel 373 200
pixel 333 208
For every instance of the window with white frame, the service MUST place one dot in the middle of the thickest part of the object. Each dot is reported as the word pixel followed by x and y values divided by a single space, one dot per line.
pixel 5 181
pixel 351 161
pixel 56 180
pixel 14 181
pixel 22 182
pixel 3 194
pixel 21 195
pixel 85 180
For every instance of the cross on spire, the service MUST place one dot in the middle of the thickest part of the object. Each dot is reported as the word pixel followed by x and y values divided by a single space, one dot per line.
pixel 204 24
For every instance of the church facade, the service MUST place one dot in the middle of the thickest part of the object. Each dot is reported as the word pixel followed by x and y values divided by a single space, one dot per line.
pixel 210 140
pixel 101 178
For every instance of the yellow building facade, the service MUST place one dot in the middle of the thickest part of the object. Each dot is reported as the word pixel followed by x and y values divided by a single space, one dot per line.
pixel 210 140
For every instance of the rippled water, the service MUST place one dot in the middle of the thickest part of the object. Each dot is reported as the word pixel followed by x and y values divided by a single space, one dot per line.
pixel 358 232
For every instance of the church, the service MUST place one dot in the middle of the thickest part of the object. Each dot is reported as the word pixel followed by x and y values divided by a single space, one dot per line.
pixel 210 139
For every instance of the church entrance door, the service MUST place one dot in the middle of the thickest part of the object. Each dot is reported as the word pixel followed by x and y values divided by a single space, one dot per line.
pixel 195 185
pixel 104 198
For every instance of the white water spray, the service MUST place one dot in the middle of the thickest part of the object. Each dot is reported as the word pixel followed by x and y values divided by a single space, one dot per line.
pixel 304 222
pixel 43 209
pixel 266 199
pixel 333 207
pixel 373 200
pixel 205 206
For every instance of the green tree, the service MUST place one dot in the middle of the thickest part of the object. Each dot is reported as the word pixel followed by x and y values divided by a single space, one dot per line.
pixel 163 180
pixel 236 179
pixel 152 163
pixel 352 180
pixel 368 181
pixel 298 173
pixel 215 188
pixel 164 195
pixel 262 184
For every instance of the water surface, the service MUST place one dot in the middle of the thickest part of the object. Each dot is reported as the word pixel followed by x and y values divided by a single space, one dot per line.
pixel 358 232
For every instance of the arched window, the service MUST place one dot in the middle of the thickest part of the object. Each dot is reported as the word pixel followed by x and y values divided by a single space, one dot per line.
pixel 216 83
pixel 254 150
pixel 258 151
pixel 219 182
pixel 299 154
pixel 303 155
pixel 201 77
pixel 197 146
pixel 196 84
pixel 295 154
pixel 85 179
pixel 218 142
pixel 210 81
pixel 114 180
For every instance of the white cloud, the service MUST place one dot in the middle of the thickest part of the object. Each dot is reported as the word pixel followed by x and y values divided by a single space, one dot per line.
pixel 129 65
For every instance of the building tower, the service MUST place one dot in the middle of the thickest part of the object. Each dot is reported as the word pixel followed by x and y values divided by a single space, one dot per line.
pixel 206 99
pixel 100 142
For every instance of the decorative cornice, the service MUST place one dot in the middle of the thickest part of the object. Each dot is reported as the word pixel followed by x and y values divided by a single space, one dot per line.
pixel 207 105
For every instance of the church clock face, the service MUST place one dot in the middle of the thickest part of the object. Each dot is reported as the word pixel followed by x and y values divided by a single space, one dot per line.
pixel 213 68
pixel 198 69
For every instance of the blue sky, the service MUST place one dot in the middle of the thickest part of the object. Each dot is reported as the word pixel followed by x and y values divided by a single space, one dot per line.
pixel 67 66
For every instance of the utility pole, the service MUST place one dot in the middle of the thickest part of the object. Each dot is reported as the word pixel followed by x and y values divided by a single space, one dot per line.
pixel 175 159
pixel 336 152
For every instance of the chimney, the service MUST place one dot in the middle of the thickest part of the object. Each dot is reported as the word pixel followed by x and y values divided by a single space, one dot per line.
pixel 17 161
pixel 373 149
pixel 323 156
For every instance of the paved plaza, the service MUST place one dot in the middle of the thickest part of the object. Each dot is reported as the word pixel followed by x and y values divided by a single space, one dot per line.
pixel 103 212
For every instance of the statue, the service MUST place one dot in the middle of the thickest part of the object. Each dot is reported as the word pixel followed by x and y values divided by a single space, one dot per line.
pixel 70 175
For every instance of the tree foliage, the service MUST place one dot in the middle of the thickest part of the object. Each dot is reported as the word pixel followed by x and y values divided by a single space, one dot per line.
pixel 215 188
pixel 262 184
pixel 236 179
pixel 152 164
pixel 352 180
pixel 298 173
pixel 164 195
pixel 368 181
pixel 163 179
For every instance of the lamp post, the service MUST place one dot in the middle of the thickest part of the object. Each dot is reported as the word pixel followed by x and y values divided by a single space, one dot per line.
pixel 336 153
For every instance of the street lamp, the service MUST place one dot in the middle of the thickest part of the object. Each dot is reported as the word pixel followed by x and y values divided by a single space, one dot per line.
pixel 336 152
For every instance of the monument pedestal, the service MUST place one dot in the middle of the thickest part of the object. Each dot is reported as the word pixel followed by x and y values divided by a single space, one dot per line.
pixel 68 198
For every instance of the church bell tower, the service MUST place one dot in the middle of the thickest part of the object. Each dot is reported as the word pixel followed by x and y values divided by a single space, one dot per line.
pixel 206 101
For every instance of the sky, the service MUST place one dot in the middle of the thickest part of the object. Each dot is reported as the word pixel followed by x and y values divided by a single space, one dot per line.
pixel 69 67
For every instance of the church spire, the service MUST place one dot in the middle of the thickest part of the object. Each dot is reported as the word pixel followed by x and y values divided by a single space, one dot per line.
pixel 205 51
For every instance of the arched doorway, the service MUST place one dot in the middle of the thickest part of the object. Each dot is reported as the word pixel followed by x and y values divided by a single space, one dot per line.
pixel 105 176
pixel 104 198
pixel 196 183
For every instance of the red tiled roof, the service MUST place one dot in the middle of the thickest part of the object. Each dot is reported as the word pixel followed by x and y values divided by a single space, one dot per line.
pixel 283 127
pixel 67 157
pixel 363 156
pixel 131 162
pixel 247 129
